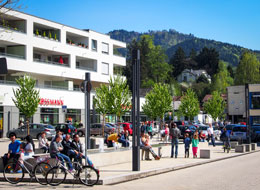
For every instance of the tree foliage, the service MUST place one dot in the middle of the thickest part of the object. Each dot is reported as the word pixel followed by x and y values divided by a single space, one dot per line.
pixel 222 78
pixel 119 96
pixel 215 106
pixel 157 102
pixel 26 98
pixel 189 105
pixel 102 102
pixel 247 70
pixel 153 62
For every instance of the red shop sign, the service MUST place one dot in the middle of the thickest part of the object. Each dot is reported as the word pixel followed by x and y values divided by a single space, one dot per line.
pixel 47 102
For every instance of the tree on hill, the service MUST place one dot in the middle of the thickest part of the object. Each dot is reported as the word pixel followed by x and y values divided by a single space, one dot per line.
pixel 153 65
pixel 178 62
pixel 208 59
pixel 222 79
pixel 247 70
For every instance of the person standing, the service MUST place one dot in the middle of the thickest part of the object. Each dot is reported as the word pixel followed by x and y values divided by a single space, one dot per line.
pixel 187 142
pixel 195 144
pixel 166 133
pixel 211 134
pixel 175 134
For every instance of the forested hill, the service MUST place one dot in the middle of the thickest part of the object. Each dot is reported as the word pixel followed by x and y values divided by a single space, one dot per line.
pixel 171 40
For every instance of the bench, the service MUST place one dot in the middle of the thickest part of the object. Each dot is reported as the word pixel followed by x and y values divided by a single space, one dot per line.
pixel 233 145
pixel 248 147
pixel 240 148
pixel 205 153
pixel 253 146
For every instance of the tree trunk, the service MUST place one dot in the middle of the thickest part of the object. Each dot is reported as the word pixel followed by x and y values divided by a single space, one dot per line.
pixel 103 125
pixel 28 126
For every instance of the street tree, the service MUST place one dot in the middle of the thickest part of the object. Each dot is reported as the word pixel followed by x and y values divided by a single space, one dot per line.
pixel 189 105
pixel 157 102
pixel 26 98
pixel 215 106
pixel 178 62
pixel 119 96
pixel 248 69
pixel 102 102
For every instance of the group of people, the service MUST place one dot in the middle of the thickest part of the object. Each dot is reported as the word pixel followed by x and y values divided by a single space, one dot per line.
pixel 147 128
pixel 113 138
pixel 64 148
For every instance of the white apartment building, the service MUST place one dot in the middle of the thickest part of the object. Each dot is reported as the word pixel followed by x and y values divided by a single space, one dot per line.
pixel 57 56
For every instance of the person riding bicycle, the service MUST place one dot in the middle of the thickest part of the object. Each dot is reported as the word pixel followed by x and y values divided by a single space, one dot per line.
pixel 78 151
pixel 225 137
pixel 55 150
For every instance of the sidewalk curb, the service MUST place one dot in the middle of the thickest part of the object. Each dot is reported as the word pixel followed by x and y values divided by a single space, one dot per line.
pixel 142 174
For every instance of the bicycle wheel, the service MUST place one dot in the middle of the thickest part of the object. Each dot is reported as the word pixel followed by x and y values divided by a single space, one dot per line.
pixel 40 172
pixel 56 176
pixel 13 172
pixel 88 175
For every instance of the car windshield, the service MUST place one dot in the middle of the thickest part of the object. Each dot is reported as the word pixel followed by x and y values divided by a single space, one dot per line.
pixel 239 129
pixel 49 127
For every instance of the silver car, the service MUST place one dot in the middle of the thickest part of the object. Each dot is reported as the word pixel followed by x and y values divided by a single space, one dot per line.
pixel 35 131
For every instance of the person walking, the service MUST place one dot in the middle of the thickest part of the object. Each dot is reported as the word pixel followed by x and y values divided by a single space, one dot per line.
pixel 187 142
pixel 195 144
pixel 175 134
pixel 211 134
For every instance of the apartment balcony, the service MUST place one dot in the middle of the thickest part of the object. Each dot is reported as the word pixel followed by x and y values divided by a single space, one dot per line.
pixel 46 32
pixel 77 40
pixel 12 50
pixel 86 64
pixel 51 57
pixel 12 23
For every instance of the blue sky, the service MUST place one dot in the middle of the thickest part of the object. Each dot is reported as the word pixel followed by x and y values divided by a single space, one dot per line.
pixel 232 21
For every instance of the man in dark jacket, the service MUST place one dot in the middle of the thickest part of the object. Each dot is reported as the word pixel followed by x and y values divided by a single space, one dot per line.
pixel 175 134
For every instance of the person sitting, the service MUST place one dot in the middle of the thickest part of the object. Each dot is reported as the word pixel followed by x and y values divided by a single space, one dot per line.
pixel 13 150
pixel 144 144
pixel 43 142
pixel 27 150
pixel 78 151
pixel 124 139
pixel 55 150
pixel 112 139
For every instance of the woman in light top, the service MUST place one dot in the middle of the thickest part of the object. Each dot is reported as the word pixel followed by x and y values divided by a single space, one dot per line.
pixel 43 142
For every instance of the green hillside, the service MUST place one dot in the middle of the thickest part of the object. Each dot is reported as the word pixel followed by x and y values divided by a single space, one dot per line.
pixel 171 40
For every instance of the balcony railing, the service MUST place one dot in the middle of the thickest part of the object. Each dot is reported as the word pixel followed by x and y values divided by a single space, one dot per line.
pixel 12 55
pixel 50 62
pixel 40 86
pixel 86 68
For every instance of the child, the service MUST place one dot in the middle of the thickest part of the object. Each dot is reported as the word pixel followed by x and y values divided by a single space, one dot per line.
pixel 195 143
pixel 187 145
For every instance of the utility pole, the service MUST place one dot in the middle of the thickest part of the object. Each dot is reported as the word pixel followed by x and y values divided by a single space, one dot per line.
pixel 136 110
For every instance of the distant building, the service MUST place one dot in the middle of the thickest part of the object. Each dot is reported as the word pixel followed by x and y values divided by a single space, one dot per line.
pixel 190 75
pixel 237 98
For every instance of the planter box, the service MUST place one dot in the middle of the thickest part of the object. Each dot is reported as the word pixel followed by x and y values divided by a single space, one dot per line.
pixel 240 148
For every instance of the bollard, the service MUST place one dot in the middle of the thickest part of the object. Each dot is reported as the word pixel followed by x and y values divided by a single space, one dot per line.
pixel 101 145
pixel 159 151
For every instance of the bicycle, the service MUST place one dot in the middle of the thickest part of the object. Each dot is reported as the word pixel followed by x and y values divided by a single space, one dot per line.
pixel 87 175
pixel 14 171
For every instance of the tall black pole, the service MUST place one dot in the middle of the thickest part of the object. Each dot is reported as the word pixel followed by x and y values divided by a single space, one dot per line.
pixel 247 114
pixel 136 110
pixel 87 89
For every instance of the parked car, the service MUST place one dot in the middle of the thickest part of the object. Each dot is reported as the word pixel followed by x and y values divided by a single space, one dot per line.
pixel 35 130
pixel 66 128
pixel 230 127
pixel 96 129
pixel 182 129
pixel 238 132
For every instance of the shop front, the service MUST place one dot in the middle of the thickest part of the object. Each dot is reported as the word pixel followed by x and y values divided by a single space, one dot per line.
pixel 49 115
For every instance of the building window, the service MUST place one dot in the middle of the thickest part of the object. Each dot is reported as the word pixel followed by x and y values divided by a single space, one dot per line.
pixel 105 48
pixel 74 116
pixel 50 115
pixel 94 45
pixel 105 68
pixel 255 101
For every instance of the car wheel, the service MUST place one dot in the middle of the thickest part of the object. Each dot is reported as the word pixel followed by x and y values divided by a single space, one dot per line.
pixel 80 133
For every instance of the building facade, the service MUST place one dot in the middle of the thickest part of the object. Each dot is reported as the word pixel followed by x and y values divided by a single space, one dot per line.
pixel 243 101
pixel 57 57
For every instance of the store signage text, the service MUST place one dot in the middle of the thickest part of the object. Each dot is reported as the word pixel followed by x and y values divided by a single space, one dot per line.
pixel 47 102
